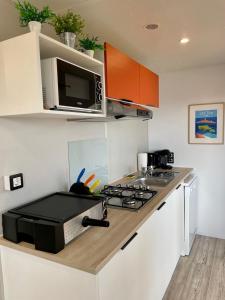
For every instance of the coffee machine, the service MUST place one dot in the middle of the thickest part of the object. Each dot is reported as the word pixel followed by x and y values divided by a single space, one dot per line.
pixel 160 159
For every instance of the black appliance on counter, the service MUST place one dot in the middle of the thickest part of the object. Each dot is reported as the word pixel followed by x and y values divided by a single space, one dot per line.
pixel 129 196
pixel 160 159
pixel 53 221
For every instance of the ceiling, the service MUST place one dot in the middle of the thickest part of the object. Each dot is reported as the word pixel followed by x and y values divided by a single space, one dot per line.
pixel 122 23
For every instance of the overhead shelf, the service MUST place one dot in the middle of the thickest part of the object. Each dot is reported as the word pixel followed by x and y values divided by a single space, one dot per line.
pixel 53 48
pixel 20 75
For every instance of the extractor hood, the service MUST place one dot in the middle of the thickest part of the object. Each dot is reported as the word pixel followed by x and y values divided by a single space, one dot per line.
pixel 121 110
pixel 125 109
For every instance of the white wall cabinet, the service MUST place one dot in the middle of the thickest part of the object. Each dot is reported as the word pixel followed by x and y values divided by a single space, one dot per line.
pixel 142 270
pixel 20 75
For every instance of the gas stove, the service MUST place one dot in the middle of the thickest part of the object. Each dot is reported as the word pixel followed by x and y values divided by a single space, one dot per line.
pixel 128 196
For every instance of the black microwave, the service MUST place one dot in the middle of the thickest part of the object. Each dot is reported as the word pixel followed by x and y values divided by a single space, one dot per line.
pixel 67 86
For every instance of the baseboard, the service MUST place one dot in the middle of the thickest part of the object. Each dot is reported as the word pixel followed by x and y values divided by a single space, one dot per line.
pixel 217 236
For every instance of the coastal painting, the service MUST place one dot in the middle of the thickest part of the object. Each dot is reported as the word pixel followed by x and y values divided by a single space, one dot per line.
pixel 206 123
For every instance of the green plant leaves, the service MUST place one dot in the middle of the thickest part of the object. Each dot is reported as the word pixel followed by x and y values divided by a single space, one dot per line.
pixel 68 22
pixel 90 44
pixel 29 12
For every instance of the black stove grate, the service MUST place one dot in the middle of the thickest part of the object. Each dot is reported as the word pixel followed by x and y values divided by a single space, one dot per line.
pixel 129 196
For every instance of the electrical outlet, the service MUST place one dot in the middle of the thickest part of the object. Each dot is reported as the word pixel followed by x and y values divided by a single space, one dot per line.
pixel 13 182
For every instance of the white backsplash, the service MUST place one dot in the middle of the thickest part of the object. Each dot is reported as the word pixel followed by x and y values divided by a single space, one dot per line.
pixel 90 154
pixel 39 149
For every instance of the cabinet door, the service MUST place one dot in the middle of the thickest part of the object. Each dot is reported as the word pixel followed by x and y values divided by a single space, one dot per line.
pixel 120 278
pixel 170 228
pixel 122 75
pixel 162 238
pixel 149 87
pixel 151 265
pixel 28 277
pixel 144 268
pixel 137 271
pixel 160 259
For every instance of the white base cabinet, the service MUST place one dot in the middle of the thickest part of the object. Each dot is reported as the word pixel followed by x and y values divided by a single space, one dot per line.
pixel 142 270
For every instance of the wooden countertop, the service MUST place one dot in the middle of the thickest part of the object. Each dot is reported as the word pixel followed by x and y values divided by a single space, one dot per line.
pixel 94 248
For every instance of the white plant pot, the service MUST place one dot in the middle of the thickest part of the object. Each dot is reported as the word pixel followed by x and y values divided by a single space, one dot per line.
pixel 35 26
pixel 68 38
pixel 90 53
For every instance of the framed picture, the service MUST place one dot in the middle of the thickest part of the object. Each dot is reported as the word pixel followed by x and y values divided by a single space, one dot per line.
pixel 206 123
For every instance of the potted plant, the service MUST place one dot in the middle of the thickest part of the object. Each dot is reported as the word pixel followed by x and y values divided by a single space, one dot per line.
pixel 32 16
pixel 90 45
pixel 67 26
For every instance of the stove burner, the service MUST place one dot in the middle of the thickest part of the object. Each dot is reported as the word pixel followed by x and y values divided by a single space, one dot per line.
pixel 140 194
pixel 128 196
pixel 144 196
pixel 114 191
pixel 127 193
pixel 129 201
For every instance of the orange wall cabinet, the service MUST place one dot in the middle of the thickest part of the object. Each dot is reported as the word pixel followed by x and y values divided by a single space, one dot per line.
pixel 122 75
pixel 149 87
pixel 127 79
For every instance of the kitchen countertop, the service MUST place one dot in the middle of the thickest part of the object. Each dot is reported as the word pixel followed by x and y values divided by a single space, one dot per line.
pixel 91 251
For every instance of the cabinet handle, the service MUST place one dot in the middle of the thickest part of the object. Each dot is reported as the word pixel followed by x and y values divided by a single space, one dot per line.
pixel 160 206
pixel 128 242
pixel 178 186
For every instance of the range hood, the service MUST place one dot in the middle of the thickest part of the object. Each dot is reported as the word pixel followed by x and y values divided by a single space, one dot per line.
pixel 124 109
pixel 121 110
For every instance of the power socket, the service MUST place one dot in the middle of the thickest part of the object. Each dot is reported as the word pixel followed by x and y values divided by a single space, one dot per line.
pixel 13 182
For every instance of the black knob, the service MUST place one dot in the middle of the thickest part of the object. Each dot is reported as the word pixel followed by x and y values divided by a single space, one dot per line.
pixel 99 85
pixel 105 213
pixel 94 222
pixel 99 97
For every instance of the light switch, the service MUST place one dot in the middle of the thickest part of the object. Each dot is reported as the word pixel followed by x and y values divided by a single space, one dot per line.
pixel 13 182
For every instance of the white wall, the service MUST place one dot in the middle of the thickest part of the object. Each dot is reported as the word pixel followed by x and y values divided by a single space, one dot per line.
pixel 125 140
pixel 39 149
pixel 169 129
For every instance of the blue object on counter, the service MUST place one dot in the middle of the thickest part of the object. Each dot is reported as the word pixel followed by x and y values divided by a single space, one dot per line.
pixel 80 175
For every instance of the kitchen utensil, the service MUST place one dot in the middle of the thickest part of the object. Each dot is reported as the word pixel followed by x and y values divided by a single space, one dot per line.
pixel 95 185
pixel 90 178
pixel 80 175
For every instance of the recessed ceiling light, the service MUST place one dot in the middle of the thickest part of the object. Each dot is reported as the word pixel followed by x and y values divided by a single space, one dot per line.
pixel 184 40
pixel 152 26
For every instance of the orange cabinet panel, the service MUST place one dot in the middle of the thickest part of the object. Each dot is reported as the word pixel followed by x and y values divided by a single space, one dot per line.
pixel 149 87
pixel 122 75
